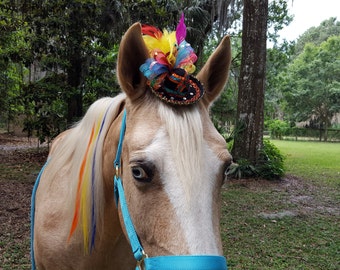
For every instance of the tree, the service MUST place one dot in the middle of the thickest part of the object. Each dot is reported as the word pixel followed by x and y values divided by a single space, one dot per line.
pixel 14 52
pixel 319 34
pixel 64 32
pixel 77 40
pixel 312 83
pixel 249 121
pixel 278 17
pixel 278 59
pixel 279 55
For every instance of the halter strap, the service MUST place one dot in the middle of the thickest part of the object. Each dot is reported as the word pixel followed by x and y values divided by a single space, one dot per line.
pixel 120 143
pixel 137 249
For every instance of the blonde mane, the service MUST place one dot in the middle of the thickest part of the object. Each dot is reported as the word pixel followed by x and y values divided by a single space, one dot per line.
pixel 185 130
pixel 83 144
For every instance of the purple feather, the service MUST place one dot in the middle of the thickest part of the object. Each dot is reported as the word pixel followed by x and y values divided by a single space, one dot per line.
pixel 181 30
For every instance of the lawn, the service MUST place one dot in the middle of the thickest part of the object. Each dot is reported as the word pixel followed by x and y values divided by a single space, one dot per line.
pixel 288 224
pixel 317 161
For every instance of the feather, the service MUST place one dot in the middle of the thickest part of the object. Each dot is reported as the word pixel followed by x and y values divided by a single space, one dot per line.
pixel 151 31
pixel 181 30
pixel 167 50
pixel 152 68
pixel 186 57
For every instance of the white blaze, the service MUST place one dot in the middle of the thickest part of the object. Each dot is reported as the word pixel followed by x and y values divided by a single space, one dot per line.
pixel 186 163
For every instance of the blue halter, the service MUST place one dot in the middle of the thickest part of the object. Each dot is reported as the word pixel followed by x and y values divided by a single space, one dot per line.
pixel 182 262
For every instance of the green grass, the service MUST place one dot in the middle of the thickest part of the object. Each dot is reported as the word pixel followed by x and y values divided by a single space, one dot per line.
pixel 301 238
pixel 290 224
pixel 315 161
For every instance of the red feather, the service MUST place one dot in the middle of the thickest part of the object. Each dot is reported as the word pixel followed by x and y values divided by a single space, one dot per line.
pixel 151 31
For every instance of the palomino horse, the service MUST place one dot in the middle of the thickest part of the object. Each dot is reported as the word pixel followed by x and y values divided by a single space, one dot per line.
pixel 172 168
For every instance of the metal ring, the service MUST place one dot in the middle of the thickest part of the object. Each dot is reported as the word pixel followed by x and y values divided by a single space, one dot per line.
pixel 141 261
pixel 117 171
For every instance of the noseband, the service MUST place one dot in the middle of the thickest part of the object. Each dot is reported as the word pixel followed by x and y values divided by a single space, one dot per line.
pixel 187 262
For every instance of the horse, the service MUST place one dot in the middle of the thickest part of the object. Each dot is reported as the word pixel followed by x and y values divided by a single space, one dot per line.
pixel 172 167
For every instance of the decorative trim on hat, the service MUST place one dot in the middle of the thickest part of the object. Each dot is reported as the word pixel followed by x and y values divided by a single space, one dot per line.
pixel 170 65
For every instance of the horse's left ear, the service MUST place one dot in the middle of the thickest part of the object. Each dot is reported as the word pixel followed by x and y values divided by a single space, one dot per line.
pixel 215 72
pixel 132 54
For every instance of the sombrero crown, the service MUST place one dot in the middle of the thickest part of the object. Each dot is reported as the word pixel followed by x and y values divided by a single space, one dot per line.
pixel 170 65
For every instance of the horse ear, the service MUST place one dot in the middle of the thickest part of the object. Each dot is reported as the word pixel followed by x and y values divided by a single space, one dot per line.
pixel 215 72
pixel 132 54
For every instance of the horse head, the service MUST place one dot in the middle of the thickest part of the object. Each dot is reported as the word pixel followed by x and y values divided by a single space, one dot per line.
pixel 173 158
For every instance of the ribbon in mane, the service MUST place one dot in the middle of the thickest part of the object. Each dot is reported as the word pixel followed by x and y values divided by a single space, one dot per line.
pixel 83 214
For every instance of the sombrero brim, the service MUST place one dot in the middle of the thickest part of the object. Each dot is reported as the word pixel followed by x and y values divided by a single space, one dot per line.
pixel 177 87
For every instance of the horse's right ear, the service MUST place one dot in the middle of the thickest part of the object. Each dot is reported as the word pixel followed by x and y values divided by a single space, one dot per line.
pixel 132 54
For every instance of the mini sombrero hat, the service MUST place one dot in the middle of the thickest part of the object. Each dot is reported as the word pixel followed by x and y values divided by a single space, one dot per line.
pixel 170 65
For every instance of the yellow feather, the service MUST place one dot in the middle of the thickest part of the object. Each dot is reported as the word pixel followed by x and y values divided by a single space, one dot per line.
pixel 167 44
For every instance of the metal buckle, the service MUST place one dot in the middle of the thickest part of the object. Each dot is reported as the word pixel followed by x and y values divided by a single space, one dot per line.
pixel 117 171
pixel 140 263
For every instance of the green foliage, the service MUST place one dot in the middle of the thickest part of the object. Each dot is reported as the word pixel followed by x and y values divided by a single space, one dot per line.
pixel 13 53
pixel 242 169
pixel 79 40
pixel 317 35
pixel 278 59
pixel 302 80
pixel 310 133
pixel 45 107
pixel 225 107
pixel 270 165
pixel 278 17
pixel 271 162
pixel 279 56
pixel 10 91
pixel 312 85
pixel 277 128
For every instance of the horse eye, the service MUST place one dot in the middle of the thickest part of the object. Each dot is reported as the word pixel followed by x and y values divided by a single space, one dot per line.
pixel 140 174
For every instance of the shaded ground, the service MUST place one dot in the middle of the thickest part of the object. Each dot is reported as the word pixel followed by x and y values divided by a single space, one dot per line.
pixel 20 162
pixel 308 199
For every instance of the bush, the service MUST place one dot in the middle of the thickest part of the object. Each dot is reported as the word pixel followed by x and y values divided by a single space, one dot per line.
pixel 277 128
pixel 242 169
pixel 271 163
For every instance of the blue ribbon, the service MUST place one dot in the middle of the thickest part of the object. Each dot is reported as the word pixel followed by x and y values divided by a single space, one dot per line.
pixel 34 192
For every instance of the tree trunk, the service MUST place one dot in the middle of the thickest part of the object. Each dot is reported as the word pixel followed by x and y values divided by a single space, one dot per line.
pixel 250 105
pixel 74 72
pixel 75 101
